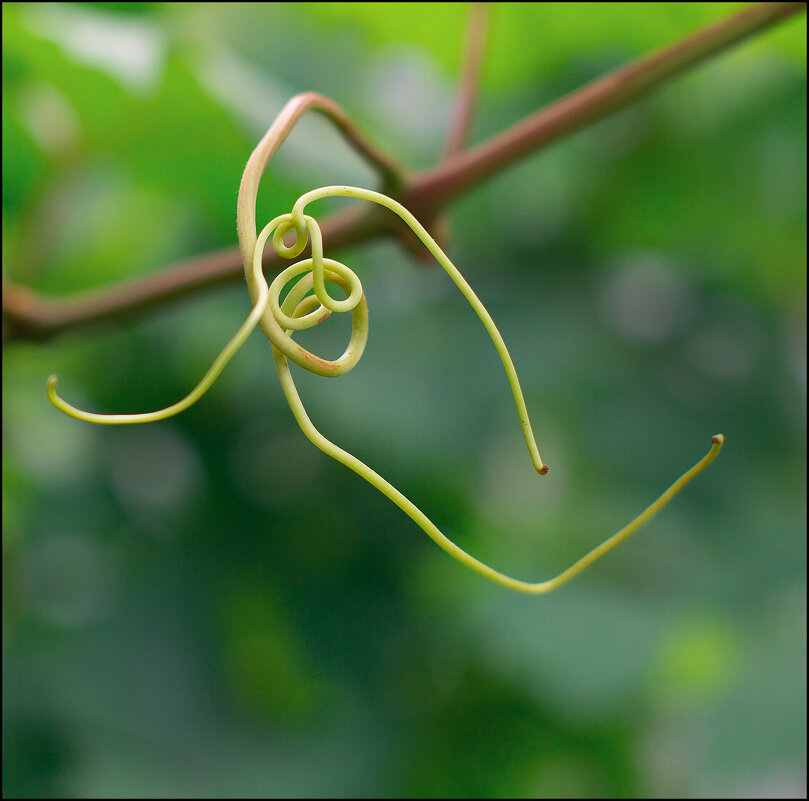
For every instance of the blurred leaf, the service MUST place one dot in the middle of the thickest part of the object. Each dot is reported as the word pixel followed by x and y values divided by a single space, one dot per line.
pixel 23 165
pixel 699 658
pixel 263 659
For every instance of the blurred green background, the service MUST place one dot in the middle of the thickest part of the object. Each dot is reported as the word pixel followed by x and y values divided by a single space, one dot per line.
pixel 209 606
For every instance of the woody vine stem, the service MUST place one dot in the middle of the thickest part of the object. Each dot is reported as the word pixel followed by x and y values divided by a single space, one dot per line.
pixel 29 315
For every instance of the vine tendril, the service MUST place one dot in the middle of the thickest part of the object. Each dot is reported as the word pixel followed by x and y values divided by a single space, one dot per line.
pixel 300 310
pixel 296 306
pixel 280 318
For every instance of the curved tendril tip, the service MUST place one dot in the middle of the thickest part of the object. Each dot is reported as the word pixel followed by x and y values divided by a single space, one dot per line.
pixel 284 317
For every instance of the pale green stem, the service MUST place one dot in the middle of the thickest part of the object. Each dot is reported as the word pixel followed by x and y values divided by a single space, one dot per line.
pixel 427 525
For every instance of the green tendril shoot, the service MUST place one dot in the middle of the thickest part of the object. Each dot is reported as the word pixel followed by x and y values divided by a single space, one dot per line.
pixel 279 319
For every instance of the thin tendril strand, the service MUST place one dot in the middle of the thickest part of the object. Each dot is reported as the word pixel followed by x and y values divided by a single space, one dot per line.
pixel 210 376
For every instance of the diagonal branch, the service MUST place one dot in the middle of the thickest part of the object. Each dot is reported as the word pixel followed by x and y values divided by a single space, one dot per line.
pixel 27 315
pixel 392 173
pixel 460 121
pixel 390 170
pixel 588 104
pixel 477 34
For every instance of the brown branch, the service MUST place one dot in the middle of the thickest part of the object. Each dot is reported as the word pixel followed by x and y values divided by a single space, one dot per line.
pixel 460 122
pixel 391 171
pixel 27 315
pixel 592 102
pixel 477 34
pixel 392 174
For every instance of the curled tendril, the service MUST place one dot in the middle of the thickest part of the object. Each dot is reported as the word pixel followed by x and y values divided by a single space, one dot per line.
pixel 299 310
pixel 279 319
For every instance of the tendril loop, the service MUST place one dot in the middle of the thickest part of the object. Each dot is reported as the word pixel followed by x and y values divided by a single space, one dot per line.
pixel 283 318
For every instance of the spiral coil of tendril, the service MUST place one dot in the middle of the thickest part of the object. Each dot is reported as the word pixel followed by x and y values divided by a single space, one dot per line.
pixel 299 310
